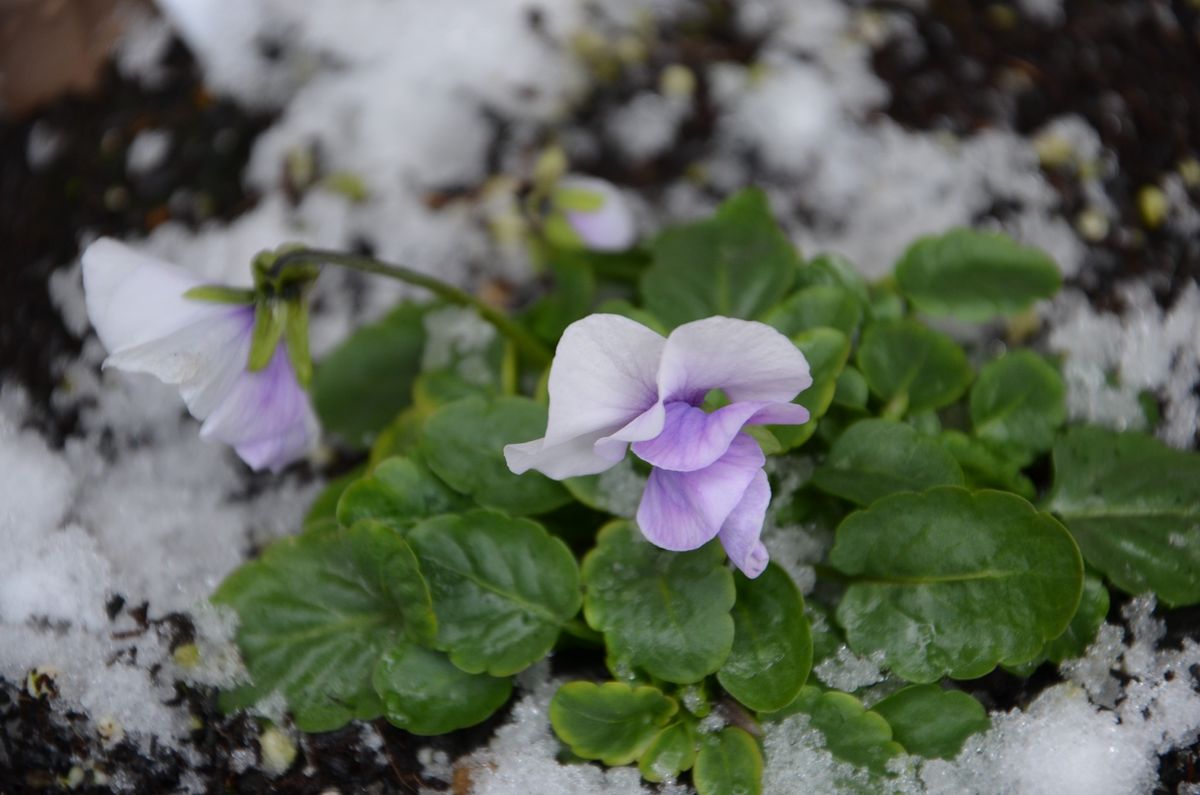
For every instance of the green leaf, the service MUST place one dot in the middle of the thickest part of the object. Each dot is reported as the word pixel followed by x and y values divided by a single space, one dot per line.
pixel 315 614
pixel 670 753
pixel 950 582
pixel 399 437
pixel 852 733
pixel 567 299
pixel 1093 609
pixel 932 722
pixel 665 612
pixel 322 514
pixel 835 270
pixel 852 391
pixel 1019 402
pixel 400 491
pixel 502 588
pixel 819 305
pixel 826 350
pixel 612 722
pixel 912 367
pixel 463 444
pixel 1133 504
pixel 975 276
pixel 619 306
pixel 270 318
pixel 874 458
pixel 729 763
pixel 772 644
pixel 985 467
pixel 424 693
pixel 361 385
pixel 735 264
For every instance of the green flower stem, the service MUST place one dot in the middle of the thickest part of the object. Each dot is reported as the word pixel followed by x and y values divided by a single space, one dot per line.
pixel 529 345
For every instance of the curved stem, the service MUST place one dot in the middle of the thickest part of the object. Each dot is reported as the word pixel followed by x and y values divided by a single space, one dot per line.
pixel 530 345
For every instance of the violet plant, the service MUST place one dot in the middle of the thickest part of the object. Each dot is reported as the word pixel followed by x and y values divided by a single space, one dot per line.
pixel 953 522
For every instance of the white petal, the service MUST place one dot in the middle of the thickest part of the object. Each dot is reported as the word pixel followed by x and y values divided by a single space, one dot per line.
pixel 133 298
pixel 746 359
pixel 602 377
pixel 572 458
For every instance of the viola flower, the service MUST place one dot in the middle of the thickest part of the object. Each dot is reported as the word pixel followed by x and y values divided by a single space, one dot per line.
pixel 228 358
pixel 590 213
pixel 615 383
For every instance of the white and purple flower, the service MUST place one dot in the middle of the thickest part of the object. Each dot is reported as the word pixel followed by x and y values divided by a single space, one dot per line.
pixel 615 383
pixel 594 214
pixel 138 307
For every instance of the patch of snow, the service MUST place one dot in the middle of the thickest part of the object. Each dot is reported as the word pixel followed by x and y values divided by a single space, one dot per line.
pixel 147 152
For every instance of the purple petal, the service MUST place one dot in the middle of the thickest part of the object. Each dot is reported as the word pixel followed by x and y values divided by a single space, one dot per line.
pixel 740 533
pixel 602 379
pixel 748 360
pixel 609 228
pixel 266 416
pixel 684 510
pixel 692 439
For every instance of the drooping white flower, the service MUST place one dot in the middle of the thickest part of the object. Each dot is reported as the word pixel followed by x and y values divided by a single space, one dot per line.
pixel 615 384
pixel 139 308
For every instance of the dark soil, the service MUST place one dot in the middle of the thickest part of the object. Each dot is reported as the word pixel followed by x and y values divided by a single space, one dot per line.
pixel 1120 65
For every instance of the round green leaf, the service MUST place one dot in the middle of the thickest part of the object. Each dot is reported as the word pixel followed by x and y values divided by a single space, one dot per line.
pixel 612 722
pixel 772 643
pixel 463 444
pixel 359 387
pixel 1093 609
pixel 875 458
pixel 932 722
pixel 322 514
pixel 315 613
pixel 670 753
pixel 399 492
pixel 975 275
pixel 826 350
pixel 950 582
pixel 729 763
pixel 501 587
pixel 424 693
pixel 664 612
pixel 836 270
pixel 820 305
pixel 852 391
pixel 1019 402
pixel 984 466
pixel 1133 504
pixel 852 733
pixel 910 366
pixel 735 264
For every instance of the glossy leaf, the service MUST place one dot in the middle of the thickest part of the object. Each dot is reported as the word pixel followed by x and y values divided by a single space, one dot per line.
pixel 315 614
pixel 826 350
pixel 612 722
pixel 1019 402
pixel 912 367
pixel 834 270
pixel 1133 504
pixel 735 264
pixel 820 305
pixel 364 382
pixel 875 458
pixel 729 763
pixel 932 722
pixel 502 588
pixel 772 644
pixel 975 275
pixel 424 693
pixel 672 751
pixel 322 513
pixel 400 491
pixel 984 466
pixel 852 391
pixel 951 583
pixel 1093 609
pixel 463 444
pixel 852 733
pixel 664 612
